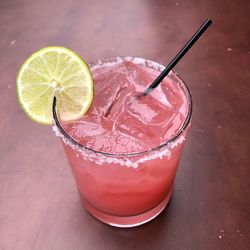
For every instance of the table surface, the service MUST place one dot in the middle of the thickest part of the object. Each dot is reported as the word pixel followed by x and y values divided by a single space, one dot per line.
pixel 39 205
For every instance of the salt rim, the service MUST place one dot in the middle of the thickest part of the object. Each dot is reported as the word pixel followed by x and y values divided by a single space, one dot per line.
pixel 100 158
pixel 144 62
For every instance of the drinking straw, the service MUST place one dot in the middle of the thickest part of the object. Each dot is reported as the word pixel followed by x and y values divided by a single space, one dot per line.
pixel 178 57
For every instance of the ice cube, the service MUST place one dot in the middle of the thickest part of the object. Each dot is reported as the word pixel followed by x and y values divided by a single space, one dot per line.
pixel 146 119
pixel 116 143
pixel 84 129
pixel 110 85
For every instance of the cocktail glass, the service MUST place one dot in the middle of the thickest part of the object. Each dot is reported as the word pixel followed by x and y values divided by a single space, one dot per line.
pixel 126 190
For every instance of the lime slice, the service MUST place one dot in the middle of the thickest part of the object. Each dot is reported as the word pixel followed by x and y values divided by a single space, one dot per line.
pixel 54 71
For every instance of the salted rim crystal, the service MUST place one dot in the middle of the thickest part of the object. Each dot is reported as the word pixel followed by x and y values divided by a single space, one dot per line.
pixel 143 62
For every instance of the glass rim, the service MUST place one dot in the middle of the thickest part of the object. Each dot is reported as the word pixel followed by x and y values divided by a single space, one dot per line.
pixel 171 140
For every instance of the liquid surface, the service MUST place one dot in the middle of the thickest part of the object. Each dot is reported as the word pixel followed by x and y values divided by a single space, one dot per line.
pixel 119 122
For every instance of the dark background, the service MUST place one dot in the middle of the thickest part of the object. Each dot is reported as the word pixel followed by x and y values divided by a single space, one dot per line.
pixel 210 209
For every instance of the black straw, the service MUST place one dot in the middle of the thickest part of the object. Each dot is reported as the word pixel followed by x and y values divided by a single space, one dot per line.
pixel 178 57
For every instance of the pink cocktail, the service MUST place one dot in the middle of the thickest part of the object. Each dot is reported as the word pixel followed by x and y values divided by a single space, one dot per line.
pixel 125 151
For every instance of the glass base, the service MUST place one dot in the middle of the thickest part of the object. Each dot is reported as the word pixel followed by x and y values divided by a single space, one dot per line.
pixel 128 221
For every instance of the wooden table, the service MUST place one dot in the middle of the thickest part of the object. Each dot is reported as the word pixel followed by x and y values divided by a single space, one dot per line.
pixel 210 209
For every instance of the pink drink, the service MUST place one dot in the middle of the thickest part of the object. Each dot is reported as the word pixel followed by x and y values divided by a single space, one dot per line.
pixel 126 178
